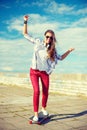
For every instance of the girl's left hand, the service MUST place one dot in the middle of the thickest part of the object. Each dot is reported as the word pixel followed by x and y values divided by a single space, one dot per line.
pixel 71 49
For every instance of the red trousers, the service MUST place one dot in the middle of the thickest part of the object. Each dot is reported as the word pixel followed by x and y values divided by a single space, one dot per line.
pixel 35 75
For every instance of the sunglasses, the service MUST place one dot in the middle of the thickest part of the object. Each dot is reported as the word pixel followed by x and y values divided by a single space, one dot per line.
pixel 49 37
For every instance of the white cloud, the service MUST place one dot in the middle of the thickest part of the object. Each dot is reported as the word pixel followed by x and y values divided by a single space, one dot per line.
pixel 16 47
pixel 81 11
pixel 7 41
pixel 37 18
pixel 73 37
pixel 80 23
pixel 57 8
pixel 39 29
pixel 15 24
pixel 38 3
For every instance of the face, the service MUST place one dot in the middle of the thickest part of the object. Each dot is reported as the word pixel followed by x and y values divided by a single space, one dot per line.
pixel 48 38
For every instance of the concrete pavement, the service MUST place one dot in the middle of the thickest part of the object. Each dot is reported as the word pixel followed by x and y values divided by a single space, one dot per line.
pixel 67 112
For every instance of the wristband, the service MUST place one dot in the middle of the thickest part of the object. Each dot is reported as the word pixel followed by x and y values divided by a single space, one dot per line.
pixel 25 22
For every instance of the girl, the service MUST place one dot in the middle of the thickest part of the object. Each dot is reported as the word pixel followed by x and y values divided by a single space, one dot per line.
pixel 45 58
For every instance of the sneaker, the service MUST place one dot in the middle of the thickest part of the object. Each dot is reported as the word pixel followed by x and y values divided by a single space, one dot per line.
pixel 35 119
pixel 45 113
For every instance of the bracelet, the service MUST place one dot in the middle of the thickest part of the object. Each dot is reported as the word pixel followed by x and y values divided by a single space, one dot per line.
pixel 25 22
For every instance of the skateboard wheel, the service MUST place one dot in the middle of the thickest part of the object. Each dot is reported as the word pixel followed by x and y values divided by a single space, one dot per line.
pixel 39 123
pixel 30 122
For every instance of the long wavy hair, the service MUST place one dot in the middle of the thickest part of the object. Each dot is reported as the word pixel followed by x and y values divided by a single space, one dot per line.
pixel 51 49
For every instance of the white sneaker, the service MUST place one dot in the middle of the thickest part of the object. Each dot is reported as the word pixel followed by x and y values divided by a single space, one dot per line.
pixel 45 113
pixel 35 118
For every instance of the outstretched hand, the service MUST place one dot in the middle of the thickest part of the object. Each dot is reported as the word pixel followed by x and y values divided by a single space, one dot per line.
pixel 26 17
pixel 71 49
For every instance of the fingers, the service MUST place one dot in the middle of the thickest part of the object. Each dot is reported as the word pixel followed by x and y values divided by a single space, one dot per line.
pixel 26 17
pixel 71 49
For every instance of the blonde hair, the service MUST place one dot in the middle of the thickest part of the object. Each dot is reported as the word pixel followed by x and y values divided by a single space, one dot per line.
pixel 51 50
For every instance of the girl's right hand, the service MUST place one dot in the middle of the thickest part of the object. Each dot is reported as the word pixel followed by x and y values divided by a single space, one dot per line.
pixel 26 17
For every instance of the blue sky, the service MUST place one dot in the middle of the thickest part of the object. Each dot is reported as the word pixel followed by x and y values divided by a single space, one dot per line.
pixel 67 18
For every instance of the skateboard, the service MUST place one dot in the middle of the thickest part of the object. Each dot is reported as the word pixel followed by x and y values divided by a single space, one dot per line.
pixel 41 120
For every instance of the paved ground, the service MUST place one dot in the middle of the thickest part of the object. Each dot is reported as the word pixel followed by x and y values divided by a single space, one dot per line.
pixel 67 112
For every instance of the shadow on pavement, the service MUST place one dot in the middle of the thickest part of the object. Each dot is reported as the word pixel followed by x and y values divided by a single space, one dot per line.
pixel 56 117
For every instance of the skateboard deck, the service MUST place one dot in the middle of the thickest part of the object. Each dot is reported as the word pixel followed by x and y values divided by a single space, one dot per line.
pixel 42 118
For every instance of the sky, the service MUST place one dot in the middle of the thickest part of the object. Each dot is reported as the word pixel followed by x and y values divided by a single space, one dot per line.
pixel 68 19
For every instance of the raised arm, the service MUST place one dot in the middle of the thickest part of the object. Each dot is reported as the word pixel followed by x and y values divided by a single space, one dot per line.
pixel 67 53
pixel 25 24
pixel 25 32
